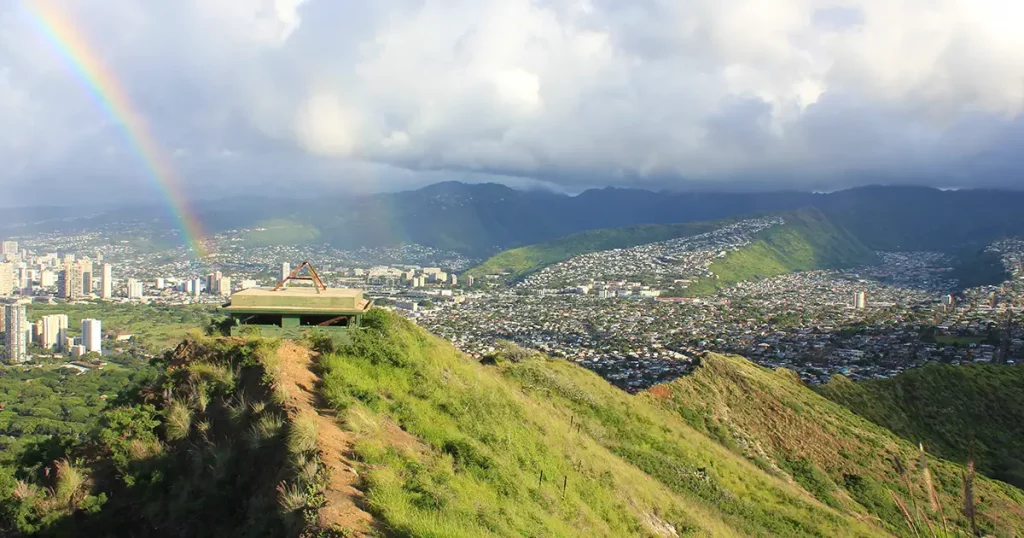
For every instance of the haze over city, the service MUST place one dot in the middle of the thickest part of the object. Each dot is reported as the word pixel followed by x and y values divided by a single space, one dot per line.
pixel 366 97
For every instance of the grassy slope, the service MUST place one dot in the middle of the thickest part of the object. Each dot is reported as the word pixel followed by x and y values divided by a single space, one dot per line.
pixel 844 460
pixel 281 232
pixel 957 412
pixel 485 434
pixel 807 241
pixel 524 260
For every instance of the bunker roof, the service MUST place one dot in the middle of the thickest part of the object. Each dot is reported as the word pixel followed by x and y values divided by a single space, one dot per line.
pixel 298 299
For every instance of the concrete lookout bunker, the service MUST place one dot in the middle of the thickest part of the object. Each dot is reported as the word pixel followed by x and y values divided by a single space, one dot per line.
pixel 293 312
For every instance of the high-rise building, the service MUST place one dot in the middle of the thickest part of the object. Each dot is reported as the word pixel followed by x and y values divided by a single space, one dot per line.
pixel 51 329
pixel 85 268
pixel 107 284
pixel 25 277
pixel 286 269
pixel 47 278
pixel 17 329
pixel 470 280
pixel 70 281
pixel 92 335
pixel 224 285
pixel 87 282
pixel 9 248
pixel 453 279
pixel 860 300
pixel 6 279
pixel 161 283
pixel 135 290
pixel 197 287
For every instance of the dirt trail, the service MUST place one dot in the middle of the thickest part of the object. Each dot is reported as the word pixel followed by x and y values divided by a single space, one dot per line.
pixel 342 497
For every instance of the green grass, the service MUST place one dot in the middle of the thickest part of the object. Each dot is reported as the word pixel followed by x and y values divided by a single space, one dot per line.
pixel 958 412
pixel 843 460
pixel 525 260
pixel 156 327
pixel 280 232
pixel 478 438
pixel 806 241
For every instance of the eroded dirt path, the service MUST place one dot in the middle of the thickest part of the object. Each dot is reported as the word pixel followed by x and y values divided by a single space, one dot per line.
pixel 342 497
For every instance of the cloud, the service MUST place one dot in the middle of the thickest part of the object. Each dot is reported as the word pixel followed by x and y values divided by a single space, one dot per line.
pixel 575 93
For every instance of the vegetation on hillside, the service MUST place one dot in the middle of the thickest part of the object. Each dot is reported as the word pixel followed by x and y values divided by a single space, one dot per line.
pixel 280 232
pixel 206 449
pixel 807 241
pixel 979 268
pixel 845 461
pixel 441 445
pixel 536 446
pixel 522 261
pixel 960 413
pixel 39 403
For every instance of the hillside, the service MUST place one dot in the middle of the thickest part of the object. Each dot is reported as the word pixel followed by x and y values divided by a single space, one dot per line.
pixel 398 434
pixel 959 412
pixel 845 461
pixel 808 240
pixel 524 260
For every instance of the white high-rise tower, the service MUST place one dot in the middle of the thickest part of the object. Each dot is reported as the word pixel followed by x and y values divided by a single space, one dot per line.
pixel 107 289
pixel 92 335
pixel 286 269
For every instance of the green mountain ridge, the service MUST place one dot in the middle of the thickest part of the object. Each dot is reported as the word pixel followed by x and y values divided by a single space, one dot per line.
pixel 401 435
pixel 522 261
pixel 807 240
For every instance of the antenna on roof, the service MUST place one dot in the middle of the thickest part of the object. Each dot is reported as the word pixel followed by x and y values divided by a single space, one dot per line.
pixel 313 277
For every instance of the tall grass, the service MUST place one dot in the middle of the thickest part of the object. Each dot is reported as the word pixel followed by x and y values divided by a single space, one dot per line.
pixel 69 483
pixel 449 447
pixel 302 433
pixel 179 420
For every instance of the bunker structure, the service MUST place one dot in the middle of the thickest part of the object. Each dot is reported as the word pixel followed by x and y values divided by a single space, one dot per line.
pixel 294 311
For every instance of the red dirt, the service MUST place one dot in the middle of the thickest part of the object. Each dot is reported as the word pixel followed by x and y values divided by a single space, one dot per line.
pixel 660 391
pixel 342 497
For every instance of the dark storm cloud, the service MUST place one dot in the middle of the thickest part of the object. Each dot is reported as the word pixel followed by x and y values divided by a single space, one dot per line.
pixel 362 96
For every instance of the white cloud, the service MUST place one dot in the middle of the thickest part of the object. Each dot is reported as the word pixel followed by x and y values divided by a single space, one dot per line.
pixel 568 91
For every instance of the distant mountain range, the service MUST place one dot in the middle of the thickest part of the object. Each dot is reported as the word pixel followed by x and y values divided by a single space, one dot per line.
pixel 484 218
pixel 481 219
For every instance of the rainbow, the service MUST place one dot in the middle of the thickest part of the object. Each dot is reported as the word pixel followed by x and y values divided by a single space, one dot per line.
pixel 101 82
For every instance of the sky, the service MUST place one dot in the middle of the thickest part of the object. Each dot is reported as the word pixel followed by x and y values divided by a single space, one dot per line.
pixel 261 96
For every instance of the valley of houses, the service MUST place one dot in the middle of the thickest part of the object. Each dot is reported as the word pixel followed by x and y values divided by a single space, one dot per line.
pixel 872 322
